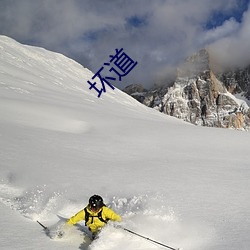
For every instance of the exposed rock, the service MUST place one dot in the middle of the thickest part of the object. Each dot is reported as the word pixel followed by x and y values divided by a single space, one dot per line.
pixel 137 91
pixel 237 81
pixel 201 97
pixel 133 88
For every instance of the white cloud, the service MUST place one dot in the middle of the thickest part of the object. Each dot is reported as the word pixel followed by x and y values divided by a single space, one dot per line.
pixel 233 50
pixel 91 30
pixel 228 28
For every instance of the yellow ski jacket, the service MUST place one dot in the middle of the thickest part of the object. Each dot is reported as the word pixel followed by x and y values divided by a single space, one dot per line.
pixel 94 223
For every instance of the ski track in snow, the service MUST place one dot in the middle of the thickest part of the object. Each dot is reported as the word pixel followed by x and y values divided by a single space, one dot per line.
pixel 43 117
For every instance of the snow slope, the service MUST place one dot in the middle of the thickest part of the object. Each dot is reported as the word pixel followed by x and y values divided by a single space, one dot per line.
pixel 176 183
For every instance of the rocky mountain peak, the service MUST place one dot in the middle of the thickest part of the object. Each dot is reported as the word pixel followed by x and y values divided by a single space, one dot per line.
pixel 196 64
pixel 202 97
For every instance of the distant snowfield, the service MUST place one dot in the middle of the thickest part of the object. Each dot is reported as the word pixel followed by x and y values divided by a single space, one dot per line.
pixel 179 184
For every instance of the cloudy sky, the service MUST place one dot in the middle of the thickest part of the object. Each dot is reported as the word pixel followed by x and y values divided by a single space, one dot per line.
pixel 158 34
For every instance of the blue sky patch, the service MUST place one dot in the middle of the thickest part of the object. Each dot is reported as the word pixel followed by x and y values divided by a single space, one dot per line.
pixel 136 21
pixel 219 17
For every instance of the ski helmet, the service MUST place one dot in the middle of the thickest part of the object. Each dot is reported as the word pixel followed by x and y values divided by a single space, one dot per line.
pixel 95 202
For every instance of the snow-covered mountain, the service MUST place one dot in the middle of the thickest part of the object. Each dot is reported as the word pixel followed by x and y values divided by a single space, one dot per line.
pixel 201 96
pixel 182 185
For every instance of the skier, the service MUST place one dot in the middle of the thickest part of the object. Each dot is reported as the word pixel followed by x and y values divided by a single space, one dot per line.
pixel 95 214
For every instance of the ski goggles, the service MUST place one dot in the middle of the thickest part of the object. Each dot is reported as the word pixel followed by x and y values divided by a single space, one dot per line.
pixel 94 208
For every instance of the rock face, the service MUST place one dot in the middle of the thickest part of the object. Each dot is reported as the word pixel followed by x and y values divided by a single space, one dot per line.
pixel 237 81
pixel 201 97
pixel 137 91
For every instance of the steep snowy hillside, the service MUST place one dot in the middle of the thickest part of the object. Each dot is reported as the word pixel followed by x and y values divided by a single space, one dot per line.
pixel 179 184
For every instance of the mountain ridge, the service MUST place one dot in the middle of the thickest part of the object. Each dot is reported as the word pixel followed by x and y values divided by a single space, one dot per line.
pixel 201 95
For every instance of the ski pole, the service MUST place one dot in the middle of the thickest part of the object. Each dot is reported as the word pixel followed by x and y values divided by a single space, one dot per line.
pixel 146 238
pixel 45 228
